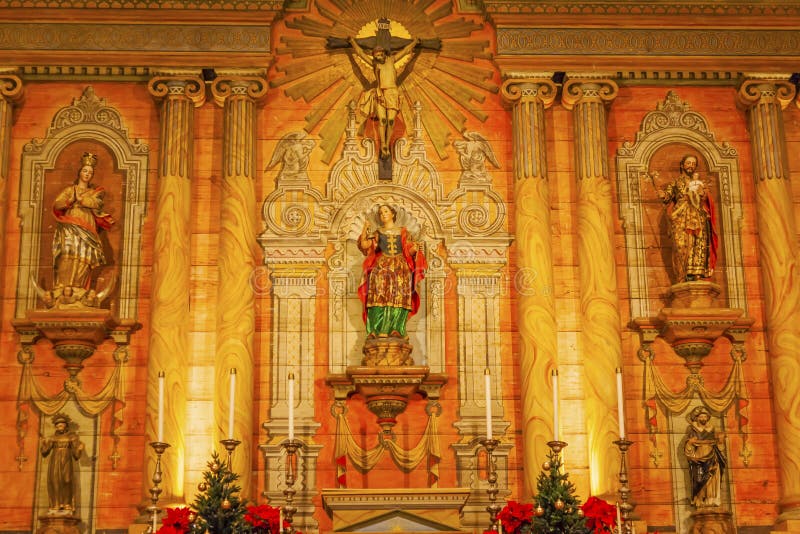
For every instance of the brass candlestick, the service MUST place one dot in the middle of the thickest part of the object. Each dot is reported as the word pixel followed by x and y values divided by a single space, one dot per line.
pixel 291 446
pixel 491 478
pixel 155 490
pixel 626 504
pixel 557 446
pixel 230 446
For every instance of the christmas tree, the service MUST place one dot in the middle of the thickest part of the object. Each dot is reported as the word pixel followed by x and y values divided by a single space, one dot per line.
pixel 219 508
pixel 556 508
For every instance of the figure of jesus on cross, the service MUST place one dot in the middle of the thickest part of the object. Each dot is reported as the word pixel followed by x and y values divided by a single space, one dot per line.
pixel 382 102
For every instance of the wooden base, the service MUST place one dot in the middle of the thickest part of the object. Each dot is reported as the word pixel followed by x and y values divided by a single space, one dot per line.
pixel 712 521
pixel 55 524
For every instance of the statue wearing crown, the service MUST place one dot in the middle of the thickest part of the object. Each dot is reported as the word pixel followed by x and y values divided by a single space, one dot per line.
pixel 77 248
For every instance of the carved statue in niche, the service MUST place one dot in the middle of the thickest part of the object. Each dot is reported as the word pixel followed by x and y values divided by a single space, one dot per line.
pixel 77 246
pixel 64 448
pixel 394 265
pixel 703 451
pixel 692 221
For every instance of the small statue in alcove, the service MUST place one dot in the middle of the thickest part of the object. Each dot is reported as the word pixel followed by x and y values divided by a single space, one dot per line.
pixel 64 448
pixel 77 246
pixel 691 214
pixel 703 451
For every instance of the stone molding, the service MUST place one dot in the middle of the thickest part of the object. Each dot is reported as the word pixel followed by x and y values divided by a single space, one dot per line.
pixel 646 41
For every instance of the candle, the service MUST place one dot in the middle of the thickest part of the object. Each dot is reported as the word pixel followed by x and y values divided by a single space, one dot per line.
pixel 487 382
pixel 231 403
pixel 160 423
pixel 620 405
pixel 290 401
pixel 555 404
pixel 619 520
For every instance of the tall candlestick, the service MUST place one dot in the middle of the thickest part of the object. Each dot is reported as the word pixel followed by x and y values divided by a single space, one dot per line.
pixel 555 404
pixel 231 403
pixel 290 401
pixel 160 407
pixel 619 520
pixel 620 405
pixel 487 382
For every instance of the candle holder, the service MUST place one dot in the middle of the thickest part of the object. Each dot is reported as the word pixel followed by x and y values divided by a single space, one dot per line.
pixel 557 446
pixel 230 446
pixel 291 446
pixel 626 505
pixel 491 478
pixel 155 491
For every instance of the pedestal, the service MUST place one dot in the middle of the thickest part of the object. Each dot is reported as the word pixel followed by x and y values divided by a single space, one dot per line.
pixel 58 524
pixel 712 521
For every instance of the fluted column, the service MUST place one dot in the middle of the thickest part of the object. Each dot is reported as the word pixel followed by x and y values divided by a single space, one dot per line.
pixel 777 237
pixel 237 93
pixel 600 339
pixel 178 93
pixel 534 281
pixel 10 92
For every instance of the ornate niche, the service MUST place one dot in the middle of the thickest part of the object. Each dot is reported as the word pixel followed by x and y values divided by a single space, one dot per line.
pixel 79 315
pixel 310 249
pixel 691 316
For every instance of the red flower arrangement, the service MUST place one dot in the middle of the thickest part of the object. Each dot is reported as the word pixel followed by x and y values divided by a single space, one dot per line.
pixel 266 519
pixel 177 521
pixel 600 515
pixel 516 517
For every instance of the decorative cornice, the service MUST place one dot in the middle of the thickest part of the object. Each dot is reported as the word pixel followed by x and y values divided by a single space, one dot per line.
pixel 669 9
pixel 647 42
pixel 173 38
pixel 127 5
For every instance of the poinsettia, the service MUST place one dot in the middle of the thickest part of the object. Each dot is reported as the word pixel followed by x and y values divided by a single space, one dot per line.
pixel 176 521
pixel 600 515
pixel 516 517
pixel 267 519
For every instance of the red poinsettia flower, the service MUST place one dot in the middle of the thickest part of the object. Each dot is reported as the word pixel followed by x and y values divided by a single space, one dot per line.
pixel 600 515
pixel 264 516
pixel 176 521
pixel 514 515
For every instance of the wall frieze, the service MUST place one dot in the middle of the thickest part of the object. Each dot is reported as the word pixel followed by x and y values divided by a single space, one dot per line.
pixel 677 9
pixel 134 38
pixel 646 42
pixel 99 5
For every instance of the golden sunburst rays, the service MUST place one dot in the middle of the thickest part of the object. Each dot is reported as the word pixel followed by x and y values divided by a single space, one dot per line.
pixel 450 82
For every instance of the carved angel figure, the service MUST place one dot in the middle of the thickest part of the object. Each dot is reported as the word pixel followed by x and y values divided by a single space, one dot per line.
pixel 473 152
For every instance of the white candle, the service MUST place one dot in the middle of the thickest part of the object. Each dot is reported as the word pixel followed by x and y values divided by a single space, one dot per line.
pixel 231 403
pixel 487 382
pixel 619 520
pixel 160 406
pixel 620 405
pixel 290 401
pixel 555 405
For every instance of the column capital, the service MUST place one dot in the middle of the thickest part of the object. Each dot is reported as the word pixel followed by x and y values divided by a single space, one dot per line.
pixel 580 88
pixel 188 84
pixel 236 82
pixel 538 87
pixel 10 84
pixel 765 89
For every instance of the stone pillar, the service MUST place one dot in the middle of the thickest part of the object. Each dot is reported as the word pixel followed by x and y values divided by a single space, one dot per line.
pixel 777 236
pixel 237 93
pixel 528 98
pixel 179 93
pixel 10 92
pixel 600 338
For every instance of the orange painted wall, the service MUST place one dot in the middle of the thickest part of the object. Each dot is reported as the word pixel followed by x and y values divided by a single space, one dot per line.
pixel 121 490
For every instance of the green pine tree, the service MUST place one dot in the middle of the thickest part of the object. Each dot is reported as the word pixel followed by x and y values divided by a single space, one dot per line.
pixel 219 508
pixel 556 496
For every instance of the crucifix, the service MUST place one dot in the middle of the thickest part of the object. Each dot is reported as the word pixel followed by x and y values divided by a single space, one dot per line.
pixel 381 101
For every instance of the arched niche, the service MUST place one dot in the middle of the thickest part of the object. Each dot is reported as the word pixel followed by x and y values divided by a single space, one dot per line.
pixel 671 129
pixel 88 122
